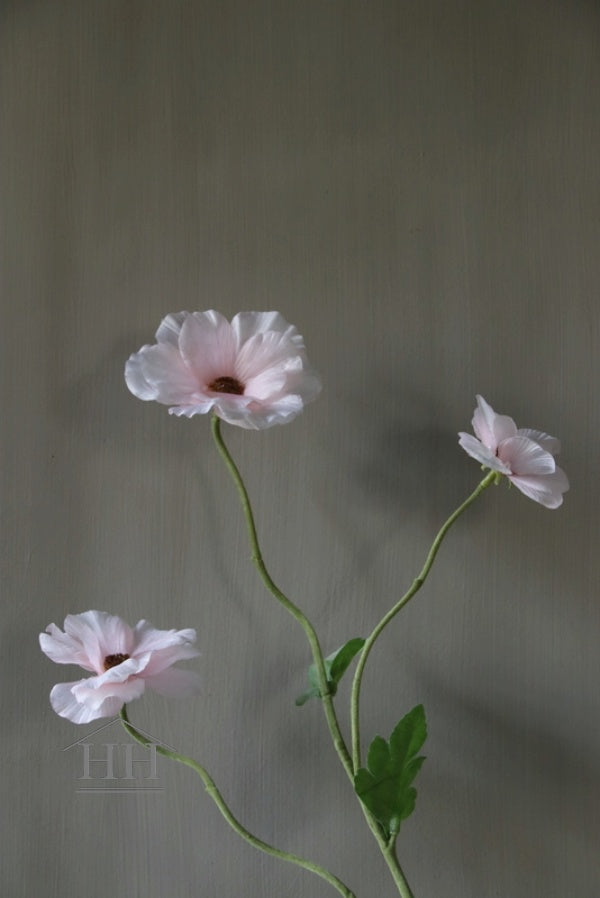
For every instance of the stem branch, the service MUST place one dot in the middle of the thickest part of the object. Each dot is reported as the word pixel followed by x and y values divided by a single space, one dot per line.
pixel 417 583
pixel 211 788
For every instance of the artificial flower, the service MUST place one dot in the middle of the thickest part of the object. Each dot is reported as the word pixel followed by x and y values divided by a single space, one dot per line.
pixel 252 372
pixel 525 456
pixel 123 660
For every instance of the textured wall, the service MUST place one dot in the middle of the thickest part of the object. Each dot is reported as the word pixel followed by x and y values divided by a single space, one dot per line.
pixel 416 186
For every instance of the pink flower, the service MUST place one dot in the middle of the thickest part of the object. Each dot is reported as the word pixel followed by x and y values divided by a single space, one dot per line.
pixel 253 372
pixel 123 661
pixel 525 456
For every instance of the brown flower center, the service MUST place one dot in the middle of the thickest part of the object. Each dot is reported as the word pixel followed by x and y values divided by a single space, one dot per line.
pixel 227 385
pixel 114 660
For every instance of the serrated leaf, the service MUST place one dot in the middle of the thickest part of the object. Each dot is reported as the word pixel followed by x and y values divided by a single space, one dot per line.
pixel 336 666
pixel 384 786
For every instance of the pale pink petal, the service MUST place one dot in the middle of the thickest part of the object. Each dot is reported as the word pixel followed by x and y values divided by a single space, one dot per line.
pixel 481 453
pixel 66 705
pixel 64 649
pixel 550 444
pixel 95 696
pixel 170 328
pixel 525 457
pixel 546 489
pixel 262 415
pixel 490 427
pixel 165 647
pixel 164 372
pixel 246 324
pixel 262 352
pixel 207 345
pixel 200 407
pixel 174 683
pixel 100 634
pixel 135 378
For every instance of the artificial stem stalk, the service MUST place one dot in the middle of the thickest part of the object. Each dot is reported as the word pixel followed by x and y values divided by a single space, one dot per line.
pixel 417 583
pixel 211 788
pixel 332 721
pixel 387 850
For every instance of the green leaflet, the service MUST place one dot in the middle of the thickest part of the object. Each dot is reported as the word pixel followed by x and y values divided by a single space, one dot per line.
pixel 384 786
pixel 336 666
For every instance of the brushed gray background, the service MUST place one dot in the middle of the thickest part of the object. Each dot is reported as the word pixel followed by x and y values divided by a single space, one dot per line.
pixel 416 186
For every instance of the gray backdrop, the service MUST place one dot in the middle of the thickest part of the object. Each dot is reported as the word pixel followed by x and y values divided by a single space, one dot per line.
pixel 415 185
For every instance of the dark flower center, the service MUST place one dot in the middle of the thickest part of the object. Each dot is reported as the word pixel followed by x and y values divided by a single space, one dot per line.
pixel 227 385
pixel 114 660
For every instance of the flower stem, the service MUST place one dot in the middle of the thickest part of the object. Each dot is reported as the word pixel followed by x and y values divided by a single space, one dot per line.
pixel 417 583
pixel 327 698
pixel 211 788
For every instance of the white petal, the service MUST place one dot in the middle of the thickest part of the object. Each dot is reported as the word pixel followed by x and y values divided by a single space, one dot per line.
pixel 550 444
pixel 484 456
pixel 490 427
pixel 525 457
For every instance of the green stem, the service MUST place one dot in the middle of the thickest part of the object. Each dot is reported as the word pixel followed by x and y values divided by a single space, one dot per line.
pixel 491 477
pixel 327 699
pixel 211 788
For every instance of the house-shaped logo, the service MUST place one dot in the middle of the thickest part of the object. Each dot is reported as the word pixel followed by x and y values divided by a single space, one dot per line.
pixel 109 763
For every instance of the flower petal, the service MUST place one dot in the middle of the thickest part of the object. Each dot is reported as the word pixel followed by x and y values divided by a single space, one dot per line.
pixel 165 647
pixel 485 456
pixel 63 649
pixel 66 705
pixel 100 634
pixel 160 373
pixel 546 489
pixel 89 693
pixel 170 328
pixel 246 324
pixel 207 345
pixel 490 427
pixel 525 457
pixel 550 444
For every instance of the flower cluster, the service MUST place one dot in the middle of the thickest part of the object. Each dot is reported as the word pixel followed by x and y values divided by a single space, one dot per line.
pixel 253 373
pixel 525 456
pixel 123 660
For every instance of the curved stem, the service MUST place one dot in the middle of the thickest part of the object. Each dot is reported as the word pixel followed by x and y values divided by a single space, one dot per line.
pixel 211 788
pixel 327 699
pixel 417 583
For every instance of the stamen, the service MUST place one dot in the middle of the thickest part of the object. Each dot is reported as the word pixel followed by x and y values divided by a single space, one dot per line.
pixel 227 385
pixel 114 660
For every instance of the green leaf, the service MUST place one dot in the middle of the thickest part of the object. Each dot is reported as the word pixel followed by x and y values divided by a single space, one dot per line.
pixel 336 666
pixel 384 785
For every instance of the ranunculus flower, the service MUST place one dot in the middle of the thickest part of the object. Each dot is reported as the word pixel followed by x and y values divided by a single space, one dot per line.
pixel 252 372
pixel 525 456
pixel 123 660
